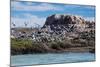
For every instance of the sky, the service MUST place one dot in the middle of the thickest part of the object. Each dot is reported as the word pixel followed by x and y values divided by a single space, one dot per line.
pixel 34 13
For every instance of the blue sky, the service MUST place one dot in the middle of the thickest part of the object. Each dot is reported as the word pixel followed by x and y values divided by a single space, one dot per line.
pixel 36 13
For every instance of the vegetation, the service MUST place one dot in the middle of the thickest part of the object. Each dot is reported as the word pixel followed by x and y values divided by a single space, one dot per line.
pixel 26 46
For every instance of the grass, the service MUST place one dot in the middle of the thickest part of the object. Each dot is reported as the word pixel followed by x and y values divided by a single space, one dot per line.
pixel 26 46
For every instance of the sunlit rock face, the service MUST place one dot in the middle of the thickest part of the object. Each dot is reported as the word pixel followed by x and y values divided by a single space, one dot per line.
pixel 69 23
pixel 63 19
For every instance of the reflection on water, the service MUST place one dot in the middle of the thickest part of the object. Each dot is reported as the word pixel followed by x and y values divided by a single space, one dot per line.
pixel 33 59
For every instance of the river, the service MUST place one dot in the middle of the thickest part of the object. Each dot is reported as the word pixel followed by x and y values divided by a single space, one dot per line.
pixel 51 58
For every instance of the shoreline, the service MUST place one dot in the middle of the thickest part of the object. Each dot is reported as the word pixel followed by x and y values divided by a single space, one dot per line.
pixel 70 50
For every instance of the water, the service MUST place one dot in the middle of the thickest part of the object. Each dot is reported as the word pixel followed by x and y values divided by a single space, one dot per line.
pixel 34 59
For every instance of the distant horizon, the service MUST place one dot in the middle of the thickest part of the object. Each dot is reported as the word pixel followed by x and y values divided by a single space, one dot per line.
pixel 34 13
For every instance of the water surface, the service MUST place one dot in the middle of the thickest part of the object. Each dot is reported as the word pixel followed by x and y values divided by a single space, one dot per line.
pixel 51 58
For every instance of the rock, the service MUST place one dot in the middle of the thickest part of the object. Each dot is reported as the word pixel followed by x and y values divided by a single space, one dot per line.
pixel 70 23
pixel 63 19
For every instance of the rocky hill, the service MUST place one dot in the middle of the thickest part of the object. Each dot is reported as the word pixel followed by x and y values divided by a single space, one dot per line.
pixel 68 23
